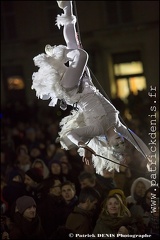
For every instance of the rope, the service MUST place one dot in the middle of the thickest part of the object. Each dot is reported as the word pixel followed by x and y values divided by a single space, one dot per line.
pixel 104 93
pixel 78 28
pixel 111 160
pixel 100 87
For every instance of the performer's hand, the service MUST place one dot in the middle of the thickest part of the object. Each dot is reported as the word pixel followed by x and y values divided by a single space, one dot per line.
pixel 87 158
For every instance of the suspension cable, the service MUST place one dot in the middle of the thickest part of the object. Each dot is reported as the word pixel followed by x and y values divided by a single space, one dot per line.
pixel 100 87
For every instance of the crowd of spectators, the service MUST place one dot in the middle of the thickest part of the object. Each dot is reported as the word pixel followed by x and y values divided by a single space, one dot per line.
pixel 48 193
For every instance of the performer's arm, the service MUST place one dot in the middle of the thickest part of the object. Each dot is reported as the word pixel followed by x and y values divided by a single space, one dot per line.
pixel 68 20
pixel 78 59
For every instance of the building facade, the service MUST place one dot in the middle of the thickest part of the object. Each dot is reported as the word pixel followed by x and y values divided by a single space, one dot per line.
pixel 121 37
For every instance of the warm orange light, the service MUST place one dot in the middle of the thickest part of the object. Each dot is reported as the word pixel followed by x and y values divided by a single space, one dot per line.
pixel 15 83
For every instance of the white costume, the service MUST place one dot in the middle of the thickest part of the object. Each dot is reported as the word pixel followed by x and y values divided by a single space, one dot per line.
pixel 95 114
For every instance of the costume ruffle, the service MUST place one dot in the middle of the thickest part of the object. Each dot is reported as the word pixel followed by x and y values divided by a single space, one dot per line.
pixel 99 144
pixel 63 19
pixel 46 81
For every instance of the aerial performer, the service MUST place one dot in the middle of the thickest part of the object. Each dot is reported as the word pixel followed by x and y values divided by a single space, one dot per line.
pixel 94 126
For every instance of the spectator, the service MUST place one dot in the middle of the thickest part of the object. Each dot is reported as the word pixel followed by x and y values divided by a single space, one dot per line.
pixel 26 223
pixel 114 218
pixel 55 169
pixel 23 160
pixel 146 206
pixel 39 163
pixel 106 180
pixel 70 200
pixel 50 205
pixel 138 188
pixel 50 152
pixel 119 192
pixel 14 189
pixel 75 160
pixel 80 219
pixel 87 179
pixel 34 183
pixel 70 172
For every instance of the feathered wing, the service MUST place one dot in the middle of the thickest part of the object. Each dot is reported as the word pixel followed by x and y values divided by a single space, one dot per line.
pixel 72 121
pixel 98 144
pixel 46 81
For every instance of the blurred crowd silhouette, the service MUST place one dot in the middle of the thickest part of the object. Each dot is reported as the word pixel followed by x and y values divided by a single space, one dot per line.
pixel 34 165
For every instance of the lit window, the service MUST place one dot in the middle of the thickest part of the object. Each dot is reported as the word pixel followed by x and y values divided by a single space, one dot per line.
pixel 137 84
pixel 122 88
pixel 128 68
pixel 128 73
pixel 15 83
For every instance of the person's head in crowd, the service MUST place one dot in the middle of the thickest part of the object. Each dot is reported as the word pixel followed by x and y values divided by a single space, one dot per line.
pixel 52 130
pixel 88 198
pixel 50 150
pixel 66 168
pixel 150 195
pixel 114 206
pixel 15 175
pixel 22 149
pixel 26 206
pixel 68 191
pixel 30 134
pixel 24 163
pixel 61 156
pixel 87 179
pixel 40 164
pixel 35 152
pixel 140 185
pixel 119 192
pixel 23 160
pixel 55 189
pixel 55 167
pixel 33 178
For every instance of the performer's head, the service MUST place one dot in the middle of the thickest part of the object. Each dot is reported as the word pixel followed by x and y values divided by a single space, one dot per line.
pixel 116 142
pixel 57 52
